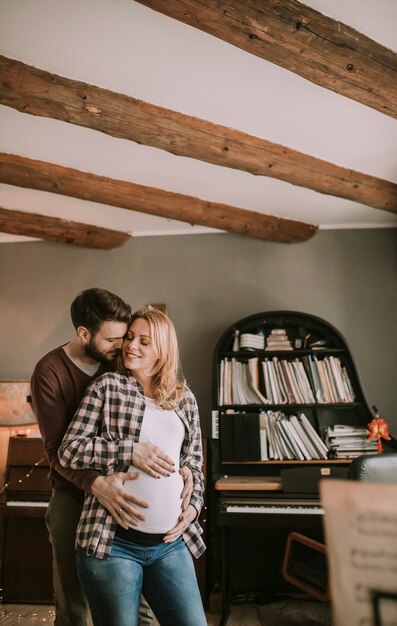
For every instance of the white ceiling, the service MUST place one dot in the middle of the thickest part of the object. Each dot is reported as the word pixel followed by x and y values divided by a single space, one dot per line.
pixel 125 47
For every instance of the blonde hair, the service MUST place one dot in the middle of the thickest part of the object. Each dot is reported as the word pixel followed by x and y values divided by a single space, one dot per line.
pixel 167 382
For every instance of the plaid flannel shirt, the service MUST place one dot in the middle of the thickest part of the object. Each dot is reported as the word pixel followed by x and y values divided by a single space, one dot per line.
pixel 101 436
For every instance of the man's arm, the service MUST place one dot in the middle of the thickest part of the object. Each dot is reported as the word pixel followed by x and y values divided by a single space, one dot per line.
pixel 53 419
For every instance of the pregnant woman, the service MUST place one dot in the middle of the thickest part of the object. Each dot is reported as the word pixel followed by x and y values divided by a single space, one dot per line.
pixel 144 406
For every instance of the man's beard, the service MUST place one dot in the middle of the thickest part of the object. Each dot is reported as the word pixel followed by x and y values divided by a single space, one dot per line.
pixel 103 357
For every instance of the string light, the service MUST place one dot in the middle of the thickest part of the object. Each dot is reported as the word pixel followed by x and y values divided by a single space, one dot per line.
pixel 26 616
pixel 20 481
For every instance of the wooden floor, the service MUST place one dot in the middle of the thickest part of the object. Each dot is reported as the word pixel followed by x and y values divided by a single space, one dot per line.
pixel 282 613
pixel 26 614
pixel 32 614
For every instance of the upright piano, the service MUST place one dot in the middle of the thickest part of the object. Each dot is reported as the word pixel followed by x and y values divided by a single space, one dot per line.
pixel 256 497
pixel 252 518
pixel 25 552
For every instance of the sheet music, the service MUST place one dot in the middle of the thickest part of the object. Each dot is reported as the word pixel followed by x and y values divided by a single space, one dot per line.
pixel 361 535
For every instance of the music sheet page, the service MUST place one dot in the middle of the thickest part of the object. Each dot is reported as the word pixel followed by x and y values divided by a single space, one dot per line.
pixel 361 534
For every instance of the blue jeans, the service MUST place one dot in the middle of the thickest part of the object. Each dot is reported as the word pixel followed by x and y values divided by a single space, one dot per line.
pixel 165 573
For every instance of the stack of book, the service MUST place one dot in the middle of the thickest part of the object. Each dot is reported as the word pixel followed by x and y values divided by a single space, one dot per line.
pixel 239 382
pixel 249 341
pixel 278 340
pixel 306 380
pixel 269 435
pixel 348 442
pixel 286 382
pixel 290 437
pixel 329 379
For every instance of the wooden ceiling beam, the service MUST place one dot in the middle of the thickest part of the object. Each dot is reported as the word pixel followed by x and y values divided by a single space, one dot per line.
pixel 32 174
pixel 60 230
pixel 300 39
pixel 37 92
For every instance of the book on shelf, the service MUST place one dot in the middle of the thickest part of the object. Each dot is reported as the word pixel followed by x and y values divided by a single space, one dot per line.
pixel 263 437
pixel 341 430
pixel 221 383
pixel 324 382
pixel 342 392
pixel 304 442
pixel 269 440
pixel 226 431
pixel 349 441
pixel 352 454
pixel 286 424
pixel 331 381
pixel 288 384
pixel 304 382
pixel 300 386
pixel 215 424
pixel 274 386
pixel 287 448
pixel 253 382
pixel 240 437
pixel 340 433
pixel 313 435
pixel 250 341
pixel 318 393
pixel 280 381
pixel 277 445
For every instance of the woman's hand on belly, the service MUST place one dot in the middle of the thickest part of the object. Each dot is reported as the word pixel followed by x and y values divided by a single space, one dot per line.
pixel 185 518
pixel 151 459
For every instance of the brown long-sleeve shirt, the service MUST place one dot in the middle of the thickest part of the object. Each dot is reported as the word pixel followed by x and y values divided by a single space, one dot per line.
pixel 58 387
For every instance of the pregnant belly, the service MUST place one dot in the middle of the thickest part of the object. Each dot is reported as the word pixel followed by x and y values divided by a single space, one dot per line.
pixel 164 498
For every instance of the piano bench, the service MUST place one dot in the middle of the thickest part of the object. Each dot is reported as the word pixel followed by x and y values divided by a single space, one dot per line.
pixel 305 565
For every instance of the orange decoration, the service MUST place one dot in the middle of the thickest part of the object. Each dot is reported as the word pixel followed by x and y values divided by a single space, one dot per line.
pixel 378 428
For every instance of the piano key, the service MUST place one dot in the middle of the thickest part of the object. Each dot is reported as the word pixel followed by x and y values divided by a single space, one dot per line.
pixel 273 509
pixel 37 503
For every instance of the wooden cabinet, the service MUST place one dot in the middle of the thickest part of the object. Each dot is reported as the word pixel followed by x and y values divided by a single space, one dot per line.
pixel 26 559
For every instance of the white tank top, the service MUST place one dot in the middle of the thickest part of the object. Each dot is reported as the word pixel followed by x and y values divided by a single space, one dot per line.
pixel 166 430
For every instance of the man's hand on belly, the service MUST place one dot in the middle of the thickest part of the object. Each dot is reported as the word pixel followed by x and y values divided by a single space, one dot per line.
pixel 110 492
pixel 187 490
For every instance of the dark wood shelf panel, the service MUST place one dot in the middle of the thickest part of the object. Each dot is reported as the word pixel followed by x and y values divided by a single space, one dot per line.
pixel 271 407
pixel 246 354
pixel 248 483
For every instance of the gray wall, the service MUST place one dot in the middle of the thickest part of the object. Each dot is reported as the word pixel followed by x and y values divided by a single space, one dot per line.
pixel 208 282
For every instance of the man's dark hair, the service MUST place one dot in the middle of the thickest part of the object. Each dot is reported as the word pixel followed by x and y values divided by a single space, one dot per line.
pixel 94 306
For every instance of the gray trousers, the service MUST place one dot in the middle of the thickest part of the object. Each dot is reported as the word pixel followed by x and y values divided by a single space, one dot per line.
pixel 71 608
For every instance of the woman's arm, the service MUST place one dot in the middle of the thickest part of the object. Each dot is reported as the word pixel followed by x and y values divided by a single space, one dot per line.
pixel 192 458
pixel 88 442
pixel 194 454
